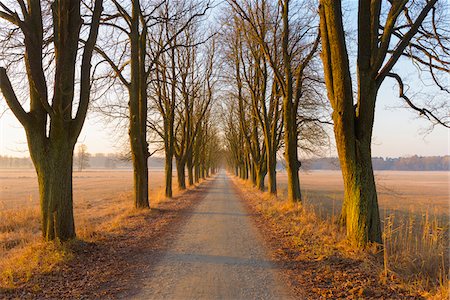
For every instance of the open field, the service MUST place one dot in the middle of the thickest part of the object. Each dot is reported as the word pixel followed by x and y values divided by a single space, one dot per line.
pixel 100 196
pixel 19 189
pixel 101 199
pixel 398 191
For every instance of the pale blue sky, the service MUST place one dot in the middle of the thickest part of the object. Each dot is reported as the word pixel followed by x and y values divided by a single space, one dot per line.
pixel 397 131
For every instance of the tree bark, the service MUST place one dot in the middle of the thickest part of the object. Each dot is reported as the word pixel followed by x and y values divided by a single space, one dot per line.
pixel 197 173
pixel 140 178
pixel 190 167
pixel 181 176
pixel 261 172
pixel 272 172
pixel 168 173
pixel 54 171
pixel 291 152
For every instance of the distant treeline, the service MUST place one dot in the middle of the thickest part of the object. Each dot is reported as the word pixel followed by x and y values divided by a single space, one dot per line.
pixel 412 163
pixel 95 161
pixel 115 161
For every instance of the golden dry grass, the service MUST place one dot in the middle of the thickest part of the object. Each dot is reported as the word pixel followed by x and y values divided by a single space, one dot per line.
pixel 102 203
pixel 415 214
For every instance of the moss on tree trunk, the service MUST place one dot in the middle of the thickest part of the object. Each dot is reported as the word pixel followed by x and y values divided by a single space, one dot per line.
pixel 55 189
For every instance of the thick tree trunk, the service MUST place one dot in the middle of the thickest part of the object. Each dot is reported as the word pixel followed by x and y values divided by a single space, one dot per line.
pixel 139 156
pixel 197 173
pixel 138 112
pixel 272 173
pixel 140 178
pixel 360 211
pixel 260 176
pixel 54 170
pixel 352 125
pixel 168 173
pixel 190 168
pixel 291 155
pixel 252 172
pixel 181 176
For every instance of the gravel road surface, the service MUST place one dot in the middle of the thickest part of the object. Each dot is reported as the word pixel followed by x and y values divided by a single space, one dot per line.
pixel 217 254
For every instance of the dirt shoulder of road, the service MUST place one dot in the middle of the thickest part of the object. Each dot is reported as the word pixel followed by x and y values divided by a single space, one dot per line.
pixel 314 260
pixel 112 263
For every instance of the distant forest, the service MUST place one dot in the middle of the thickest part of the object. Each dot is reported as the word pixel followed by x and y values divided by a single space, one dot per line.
pixel 95 161
pixel 412 163
pixel 115 161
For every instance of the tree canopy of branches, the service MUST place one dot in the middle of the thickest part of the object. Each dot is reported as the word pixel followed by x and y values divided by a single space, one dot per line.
pixel 134 59
pixel 181 88
pixel 272 53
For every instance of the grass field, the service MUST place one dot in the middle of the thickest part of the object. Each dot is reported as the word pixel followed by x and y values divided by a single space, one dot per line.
pixel 102 198
pixel 398 191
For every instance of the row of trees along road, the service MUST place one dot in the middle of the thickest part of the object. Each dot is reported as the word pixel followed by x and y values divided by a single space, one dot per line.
pixel 272 51
pixel 154 65
pixel 131 44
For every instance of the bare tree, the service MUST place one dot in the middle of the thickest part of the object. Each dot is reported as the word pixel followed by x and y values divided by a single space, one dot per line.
pixel 176 106
pixel 51 125
pixel 289 70
pixel 382 40
pixel 82 157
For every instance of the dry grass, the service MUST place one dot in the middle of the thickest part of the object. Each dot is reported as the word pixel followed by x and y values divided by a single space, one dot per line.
pixel 417 255
pixel 103 202
pixel 416 248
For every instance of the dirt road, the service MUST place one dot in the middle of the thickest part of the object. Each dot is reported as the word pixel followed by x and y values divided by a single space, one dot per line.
pixel 217 254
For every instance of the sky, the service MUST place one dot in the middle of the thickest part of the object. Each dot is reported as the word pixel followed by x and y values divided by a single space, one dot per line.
pixel 397 131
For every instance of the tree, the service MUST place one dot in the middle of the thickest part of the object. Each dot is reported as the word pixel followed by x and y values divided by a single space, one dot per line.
pixel 382 40
pixel 135 26
pixel 82 157
pixel 289 53
pixel 173 88
pixel 51 125
pixel 297 49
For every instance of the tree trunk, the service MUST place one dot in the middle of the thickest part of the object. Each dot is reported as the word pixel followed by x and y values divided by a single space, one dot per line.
pixel 272 173
pixel 291 155
pixel 253 172
pixel 260 176
pixel 168 173
pixel 140 178
pixel 352 125
pixel 197 173
pixel 138 112
pixel 190 168
pixel 360 211
pixel 181 176
pixel 54 170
